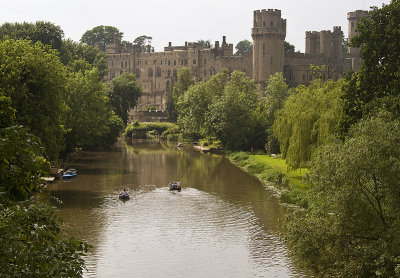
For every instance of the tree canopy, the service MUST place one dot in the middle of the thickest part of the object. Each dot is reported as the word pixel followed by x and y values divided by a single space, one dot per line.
pixel 101 35
pixel 42 31
pixel 307 120
pixel 31 241
pixel 377 82
pixel 351 228
pixel 35 79
pixel 124 92
pixel 242 47
pixel 144 43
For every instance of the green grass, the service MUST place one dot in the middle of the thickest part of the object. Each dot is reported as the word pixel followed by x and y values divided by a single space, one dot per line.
pixel 281 166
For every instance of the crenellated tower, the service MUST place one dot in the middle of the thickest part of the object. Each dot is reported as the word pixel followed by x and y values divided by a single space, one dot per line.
pixel 268 33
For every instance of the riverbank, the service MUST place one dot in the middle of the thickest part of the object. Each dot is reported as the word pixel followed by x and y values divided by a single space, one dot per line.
pixel 273 173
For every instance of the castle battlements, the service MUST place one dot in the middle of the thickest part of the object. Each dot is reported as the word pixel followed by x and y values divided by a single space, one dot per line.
pixel 156 72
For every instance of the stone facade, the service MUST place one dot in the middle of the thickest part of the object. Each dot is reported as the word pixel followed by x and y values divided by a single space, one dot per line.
pixel 157 72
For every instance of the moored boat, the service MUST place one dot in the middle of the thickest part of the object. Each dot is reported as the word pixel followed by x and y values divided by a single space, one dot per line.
pixel 70 173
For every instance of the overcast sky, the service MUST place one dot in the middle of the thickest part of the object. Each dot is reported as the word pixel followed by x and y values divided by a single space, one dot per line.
pixel 178 21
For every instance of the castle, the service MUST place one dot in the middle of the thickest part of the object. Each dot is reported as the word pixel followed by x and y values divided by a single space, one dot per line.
pixel 156 72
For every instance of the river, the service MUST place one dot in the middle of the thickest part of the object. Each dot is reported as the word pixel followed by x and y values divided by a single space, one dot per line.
pixel 223 223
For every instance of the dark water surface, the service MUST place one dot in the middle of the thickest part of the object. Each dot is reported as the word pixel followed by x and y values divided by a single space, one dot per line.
pixel 223 223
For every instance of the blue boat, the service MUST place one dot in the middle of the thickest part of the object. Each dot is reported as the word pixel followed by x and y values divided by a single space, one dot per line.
pixel 70 173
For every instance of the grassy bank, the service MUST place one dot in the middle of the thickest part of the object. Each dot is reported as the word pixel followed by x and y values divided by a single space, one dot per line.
pixel 273 172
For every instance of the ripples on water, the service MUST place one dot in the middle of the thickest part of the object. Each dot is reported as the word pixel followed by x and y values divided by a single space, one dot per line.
pixel 197 232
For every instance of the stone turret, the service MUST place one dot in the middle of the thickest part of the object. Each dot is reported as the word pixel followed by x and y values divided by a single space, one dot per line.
pixel 354 18
pixel 268 33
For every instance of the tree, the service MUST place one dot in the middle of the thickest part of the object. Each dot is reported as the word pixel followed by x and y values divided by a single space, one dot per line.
pixel 31 241
pixel 124 93
pixel 44 32
pixel 143 43
pixel 378 78
pixel 101 35
pixel 34 78
pixel 242 47
pixel 307 120
pixel 276 93
pixel 89 121
pixel 289 48
pixel 351 227
pixel 185 80
pixel 231 117
pixel 72 51
pixel 204 43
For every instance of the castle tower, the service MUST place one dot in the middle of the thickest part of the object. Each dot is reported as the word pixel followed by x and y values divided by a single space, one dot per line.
pixel 354 18
pixel 354 52
pixel 268 33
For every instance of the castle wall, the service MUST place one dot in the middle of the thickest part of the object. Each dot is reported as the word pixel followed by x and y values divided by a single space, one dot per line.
pixel 157 72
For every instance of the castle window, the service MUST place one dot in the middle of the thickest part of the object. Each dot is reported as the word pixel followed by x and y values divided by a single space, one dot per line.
pixel 194 61
pixel 175 74
pixel 126 64
pixel 272 24
pixel 174 62
pixel 169 62
pixel 161 62
pixel 122 64
pixel 205 61
pixel 158 73
pixel 169 73
pixel 264 23
pixel 137 73
pixel 150 73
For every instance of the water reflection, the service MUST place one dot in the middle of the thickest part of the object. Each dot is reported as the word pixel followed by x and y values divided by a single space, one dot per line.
pixel 222 224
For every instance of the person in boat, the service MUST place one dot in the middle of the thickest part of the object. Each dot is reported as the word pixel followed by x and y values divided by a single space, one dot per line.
pixel 124 192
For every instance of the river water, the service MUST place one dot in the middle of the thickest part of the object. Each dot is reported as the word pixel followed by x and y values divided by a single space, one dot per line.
pixel 223 223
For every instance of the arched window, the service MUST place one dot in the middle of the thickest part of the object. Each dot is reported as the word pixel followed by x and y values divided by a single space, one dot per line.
pixel 158 73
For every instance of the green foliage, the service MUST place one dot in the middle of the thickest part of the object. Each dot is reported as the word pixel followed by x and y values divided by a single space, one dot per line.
pixel 185 80
pixel 101 35
pixel 289 48
pixel 30 234
pixel 351 228
pixel 231 117
pixel 162 129
pixel 31 245
pixel 242 47
pixel 124 92
pixel 89 122
pixel 378 79
pixel 72 54
pixel 34 78
pixel 308 119
pixel 44 32
pixel 143 43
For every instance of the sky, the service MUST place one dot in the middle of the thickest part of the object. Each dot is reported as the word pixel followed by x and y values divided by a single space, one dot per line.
pixel 178 21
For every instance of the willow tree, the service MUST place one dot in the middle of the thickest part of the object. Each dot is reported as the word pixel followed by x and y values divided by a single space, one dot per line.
pixel 351 227
pixel 307 120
